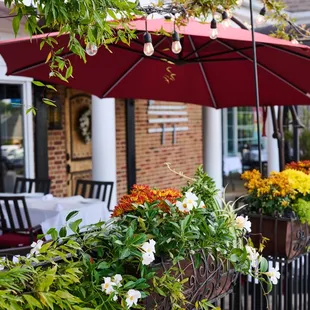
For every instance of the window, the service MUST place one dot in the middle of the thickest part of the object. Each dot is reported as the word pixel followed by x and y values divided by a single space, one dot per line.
pixel 16 132
pixel 239 127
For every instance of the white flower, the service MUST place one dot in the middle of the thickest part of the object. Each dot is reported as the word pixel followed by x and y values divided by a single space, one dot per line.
pixel 191 199
pixel 183 207
pixel 273 274
pixel 132 297
pixel 115 297
pixel 147 258
pixel 2 261
pixel 253 256
pixel 16 259
pixel 243 223
pixel 117 279
pixel 36 246
pixel 149 247
pixel 202 205
pixel 107 286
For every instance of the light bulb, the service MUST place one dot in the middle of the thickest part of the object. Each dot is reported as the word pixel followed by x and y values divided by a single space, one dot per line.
pixel 225 20
pixel 91 49
pixel 229 13
pixel 214 32
pixel 176 45
pixel 217 16
pixel 239 2
pixel 261 17
pixel 148 48
pixel 294 41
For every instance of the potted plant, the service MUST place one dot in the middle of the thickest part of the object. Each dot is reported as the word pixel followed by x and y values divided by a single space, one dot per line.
pixel 279 208
pixel 163 249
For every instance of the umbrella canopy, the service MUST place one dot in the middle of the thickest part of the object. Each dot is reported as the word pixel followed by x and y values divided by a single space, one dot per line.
pixel 216 73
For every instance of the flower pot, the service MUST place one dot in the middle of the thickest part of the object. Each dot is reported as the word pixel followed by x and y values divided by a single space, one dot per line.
pixel 211 280
pixel 288 238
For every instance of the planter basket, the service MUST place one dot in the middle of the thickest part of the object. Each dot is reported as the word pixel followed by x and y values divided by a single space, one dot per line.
pixel 211 280
pixel 288 238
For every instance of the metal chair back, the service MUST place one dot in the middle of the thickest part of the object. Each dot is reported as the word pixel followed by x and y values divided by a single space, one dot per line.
pixel 95 189
pixel 26 185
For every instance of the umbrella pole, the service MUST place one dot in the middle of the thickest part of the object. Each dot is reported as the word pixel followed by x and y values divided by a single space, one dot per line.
pixel 256 90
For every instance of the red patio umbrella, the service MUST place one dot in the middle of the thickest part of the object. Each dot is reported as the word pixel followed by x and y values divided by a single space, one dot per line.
pixel 216 73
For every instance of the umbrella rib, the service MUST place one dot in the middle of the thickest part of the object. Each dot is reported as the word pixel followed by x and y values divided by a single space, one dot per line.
pixel 198 49
pixel 287 51
pixel 37 64
pixel 122 77
pixel 127 72
pixel 234 50
pixel 268 70
pixel 203 74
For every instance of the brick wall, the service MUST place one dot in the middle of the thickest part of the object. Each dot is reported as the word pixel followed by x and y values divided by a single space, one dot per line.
pixel 57 154
pixel 121 165
pixel 151 155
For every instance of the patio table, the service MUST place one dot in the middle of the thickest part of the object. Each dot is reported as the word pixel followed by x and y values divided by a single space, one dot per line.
pixel 51 212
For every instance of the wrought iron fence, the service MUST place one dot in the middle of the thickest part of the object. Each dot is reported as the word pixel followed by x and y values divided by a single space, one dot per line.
pixel 291 293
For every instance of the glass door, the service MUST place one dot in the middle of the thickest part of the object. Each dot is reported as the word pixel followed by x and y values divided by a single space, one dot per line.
pixel 11 136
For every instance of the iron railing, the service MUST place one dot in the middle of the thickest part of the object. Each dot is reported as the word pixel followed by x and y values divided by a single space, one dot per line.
pixel 291 293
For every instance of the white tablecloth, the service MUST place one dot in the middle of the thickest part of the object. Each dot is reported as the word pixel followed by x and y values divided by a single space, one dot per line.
pixel 232 164
pixel 52 213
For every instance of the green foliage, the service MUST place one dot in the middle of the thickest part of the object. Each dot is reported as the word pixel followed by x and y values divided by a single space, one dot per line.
pixel 74 272
pixel 302 208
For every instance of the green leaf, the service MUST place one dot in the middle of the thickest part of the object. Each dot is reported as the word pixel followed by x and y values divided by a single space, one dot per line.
pixel 263 264
pixel 75 225
pixel 67 295
pixel 53 232
pixel 32 110
pixel 16 23
pixel 63 232
pixel 51 87
pixel 104 265
pixel 71 215
pixel 33 303
pixel 38 83
pixel 69 72
pixel 124 253
pixel 49 102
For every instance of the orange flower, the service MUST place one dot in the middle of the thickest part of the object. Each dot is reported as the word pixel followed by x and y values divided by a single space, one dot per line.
pixel 142 193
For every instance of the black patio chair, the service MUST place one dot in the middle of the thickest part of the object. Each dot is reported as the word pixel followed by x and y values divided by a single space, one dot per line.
pixel 25 185
pixel 9 253
pixel 16 227
pixel 95 189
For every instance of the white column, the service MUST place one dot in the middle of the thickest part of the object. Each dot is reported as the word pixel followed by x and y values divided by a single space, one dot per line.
pixel 104 142
pixel 28 130
pixel 272 145
pixel 212 144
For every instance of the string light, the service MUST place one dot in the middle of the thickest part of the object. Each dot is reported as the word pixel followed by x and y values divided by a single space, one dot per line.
pixel 239 3
pixel 261 16
pixel 214 31
pixel 91 49
pixel 148 48
pixel 225 20
pixel 293 40
pixel 176 45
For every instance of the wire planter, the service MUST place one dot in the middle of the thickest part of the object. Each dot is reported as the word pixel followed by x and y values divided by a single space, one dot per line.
pixel 211 280
pixel 288 237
